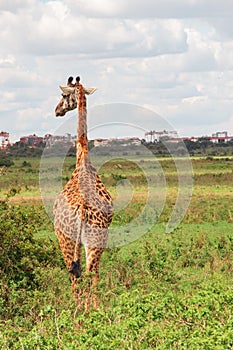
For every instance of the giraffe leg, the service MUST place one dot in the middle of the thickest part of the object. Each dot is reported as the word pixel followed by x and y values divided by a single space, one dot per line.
pixel 68 248
pixel 93 256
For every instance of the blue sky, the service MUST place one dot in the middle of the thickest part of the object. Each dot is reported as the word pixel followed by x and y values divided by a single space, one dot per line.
pixel 172 57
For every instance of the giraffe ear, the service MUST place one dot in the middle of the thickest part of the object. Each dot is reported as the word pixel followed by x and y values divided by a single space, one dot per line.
pixel 67 90
pixel 89 91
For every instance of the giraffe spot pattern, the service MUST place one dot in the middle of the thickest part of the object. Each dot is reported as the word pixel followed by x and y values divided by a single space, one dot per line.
pixel 83 211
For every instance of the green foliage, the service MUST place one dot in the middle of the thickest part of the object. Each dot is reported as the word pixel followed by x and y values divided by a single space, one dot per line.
pixel 25 163
pixel 21 254
pixel 149 300
pixel 4 161
pixel 164 291
pixel 13 191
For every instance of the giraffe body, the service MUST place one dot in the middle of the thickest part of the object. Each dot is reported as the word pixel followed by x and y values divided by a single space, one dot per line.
pixel 83 210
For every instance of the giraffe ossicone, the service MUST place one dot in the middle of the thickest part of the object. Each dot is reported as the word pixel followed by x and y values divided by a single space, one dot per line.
pixel 83 210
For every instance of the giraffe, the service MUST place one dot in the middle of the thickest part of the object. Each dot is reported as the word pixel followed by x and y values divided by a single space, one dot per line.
pixel 83 210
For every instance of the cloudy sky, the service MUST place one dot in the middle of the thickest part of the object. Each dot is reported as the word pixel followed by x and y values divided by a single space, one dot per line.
pixel 172 58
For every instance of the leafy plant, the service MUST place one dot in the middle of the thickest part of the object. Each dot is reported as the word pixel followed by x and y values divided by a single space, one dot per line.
pixel 20 253
pixel 4 161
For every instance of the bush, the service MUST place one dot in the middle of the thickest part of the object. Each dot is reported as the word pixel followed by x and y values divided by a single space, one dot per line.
pixel 6 162
pixel 21 254
pixel 25 163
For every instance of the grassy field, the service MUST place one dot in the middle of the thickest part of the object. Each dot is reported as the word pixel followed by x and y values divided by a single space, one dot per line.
pixel 162 291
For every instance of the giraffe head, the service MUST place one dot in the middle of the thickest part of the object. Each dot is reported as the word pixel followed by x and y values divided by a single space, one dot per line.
pixel 68 101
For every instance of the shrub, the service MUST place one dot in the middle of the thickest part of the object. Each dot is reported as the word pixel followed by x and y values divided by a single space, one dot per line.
pixel 21 254
pixel 6 162
pixel 25 163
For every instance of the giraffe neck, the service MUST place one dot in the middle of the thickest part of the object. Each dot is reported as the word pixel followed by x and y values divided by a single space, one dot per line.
pixel 81 142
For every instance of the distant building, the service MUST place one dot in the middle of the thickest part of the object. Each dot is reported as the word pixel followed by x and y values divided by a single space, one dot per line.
pixel 100 142
pixel 5 141
pixel 220 137
pixel 31 140
pixel 122 141
pixel 51 139
pixel 150 137
pixel 156 136
pixel 172 136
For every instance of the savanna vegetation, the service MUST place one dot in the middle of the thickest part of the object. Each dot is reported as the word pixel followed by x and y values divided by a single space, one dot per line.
pixel 162 291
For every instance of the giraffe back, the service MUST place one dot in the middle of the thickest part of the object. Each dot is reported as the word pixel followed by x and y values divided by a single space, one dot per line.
pixel 83 211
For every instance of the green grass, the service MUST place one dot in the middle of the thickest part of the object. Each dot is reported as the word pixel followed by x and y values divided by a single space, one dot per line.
pixel 162 291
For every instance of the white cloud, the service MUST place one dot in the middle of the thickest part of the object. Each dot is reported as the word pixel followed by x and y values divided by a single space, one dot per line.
pixel 54 30
pixel 104 8
pixel 173 55
pixel 150 8
pixel 15 5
